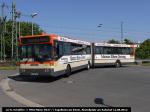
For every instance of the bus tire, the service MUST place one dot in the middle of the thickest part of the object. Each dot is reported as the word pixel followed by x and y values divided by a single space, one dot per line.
pixel 68 71
pixel 118 64
pixel 88 66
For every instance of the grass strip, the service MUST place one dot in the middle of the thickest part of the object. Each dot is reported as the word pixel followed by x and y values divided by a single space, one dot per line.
pixel 8 68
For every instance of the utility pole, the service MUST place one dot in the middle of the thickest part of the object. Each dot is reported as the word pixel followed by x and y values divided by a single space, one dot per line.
pixel 2 10
pixel 19 30
pixel 13 39
pixel 121 32
pixel 3 30
pixel 33 15
pixel 1 39
pixel 2 35
pixel 17 15
pixel 4 38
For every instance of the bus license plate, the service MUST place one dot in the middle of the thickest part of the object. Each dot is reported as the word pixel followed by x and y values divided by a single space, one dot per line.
pixel 34 74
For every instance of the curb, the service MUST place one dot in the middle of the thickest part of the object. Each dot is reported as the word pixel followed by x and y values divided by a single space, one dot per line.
pixel 4 83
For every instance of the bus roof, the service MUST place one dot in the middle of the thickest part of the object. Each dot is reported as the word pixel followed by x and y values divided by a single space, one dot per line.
pixel 59 38
pixel 65 39
pixel 31 36
pixel 115 45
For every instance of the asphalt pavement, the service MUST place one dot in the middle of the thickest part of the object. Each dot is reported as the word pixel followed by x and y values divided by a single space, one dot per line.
pixel 127 86
pixel 6 101
pixel 6 73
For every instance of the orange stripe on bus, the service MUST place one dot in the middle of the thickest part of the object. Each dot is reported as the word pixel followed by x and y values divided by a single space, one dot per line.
pixel 30 62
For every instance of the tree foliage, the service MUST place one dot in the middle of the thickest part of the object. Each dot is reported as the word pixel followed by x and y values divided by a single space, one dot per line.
pixel 25 29
pixel 27 26
pixel 127 41
pixel 143 52
pixel 113 41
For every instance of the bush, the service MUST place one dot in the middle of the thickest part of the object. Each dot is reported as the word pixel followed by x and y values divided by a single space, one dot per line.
pixel 143 52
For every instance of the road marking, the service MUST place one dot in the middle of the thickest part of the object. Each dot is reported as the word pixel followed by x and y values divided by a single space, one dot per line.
pixel 9 91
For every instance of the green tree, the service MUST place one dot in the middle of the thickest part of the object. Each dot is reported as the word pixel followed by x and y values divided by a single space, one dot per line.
pixel 127 41
pixel 25 29
pixel 113 41
pixel 2 22
pixel 1 25
pixel 143 52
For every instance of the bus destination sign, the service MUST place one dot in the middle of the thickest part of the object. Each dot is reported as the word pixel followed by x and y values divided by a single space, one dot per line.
pixel 35 40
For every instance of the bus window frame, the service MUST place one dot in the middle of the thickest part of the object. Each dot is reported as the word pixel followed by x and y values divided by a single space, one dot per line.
pixel 119 50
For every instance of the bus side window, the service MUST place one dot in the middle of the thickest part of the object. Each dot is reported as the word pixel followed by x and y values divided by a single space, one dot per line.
pixel 99 50
pixel 88 50
pixel 55 50
pixel 107 50
pixel 66 48
pixel 60 49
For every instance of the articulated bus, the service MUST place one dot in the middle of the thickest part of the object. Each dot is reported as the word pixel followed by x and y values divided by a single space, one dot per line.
pixel 52 55
pixel 112 54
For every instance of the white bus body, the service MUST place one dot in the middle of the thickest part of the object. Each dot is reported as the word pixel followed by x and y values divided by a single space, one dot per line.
pixel 113 54
pixel 63 55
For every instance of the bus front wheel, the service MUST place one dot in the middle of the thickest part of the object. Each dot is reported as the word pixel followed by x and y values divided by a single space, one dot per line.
pixel 68 71
pixel 88 66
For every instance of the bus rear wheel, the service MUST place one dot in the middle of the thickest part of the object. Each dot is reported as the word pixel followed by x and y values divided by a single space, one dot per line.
pixel 88 66
pixel 68 71
pixel 117 64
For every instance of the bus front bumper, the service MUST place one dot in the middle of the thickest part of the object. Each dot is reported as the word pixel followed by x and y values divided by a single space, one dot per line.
pixel 38 72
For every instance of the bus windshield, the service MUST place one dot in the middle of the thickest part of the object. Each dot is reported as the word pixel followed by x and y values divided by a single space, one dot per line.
pixel 38 52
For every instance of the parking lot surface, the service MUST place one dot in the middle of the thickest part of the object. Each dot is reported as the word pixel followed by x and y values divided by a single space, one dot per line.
pixel 128 86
